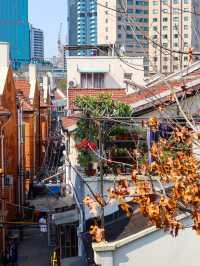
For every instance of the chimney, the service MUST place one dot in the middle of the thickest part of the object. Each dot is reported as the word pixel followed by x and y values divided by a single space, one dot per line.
pixel 4 54
pixel 32 80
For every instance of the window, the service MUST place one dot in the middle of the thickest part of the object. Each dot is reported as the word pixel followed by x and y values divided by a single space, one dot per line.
pixel 99 80
pixel 129 36
pixel 165 19
pixel 155 19
pixel 165 27
pixel 186 18
pixel 176 19
pixel 186 27
pixel 128 76
pixel 130 2
pixel 155 11
pixel 176 10
pixel 92 80
pixel 130 11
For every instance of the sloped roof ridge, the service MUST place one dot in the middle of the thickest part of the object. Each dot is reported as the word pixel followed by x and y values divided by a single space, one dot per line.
pixel 178 75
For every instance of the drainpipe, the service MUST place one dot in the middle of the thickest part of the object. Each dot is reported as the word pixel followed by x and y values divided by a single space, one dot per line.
pixel 3 189
pixel 22 154
pixel 19 157
pixel 3 182
pixel 34 143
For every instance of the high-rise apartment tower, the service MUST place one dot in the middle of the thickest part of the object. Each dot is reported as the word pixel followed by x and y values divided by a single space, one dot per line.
pixel 14 28
pixel 173 26
pixel 120 22
pixel 36 44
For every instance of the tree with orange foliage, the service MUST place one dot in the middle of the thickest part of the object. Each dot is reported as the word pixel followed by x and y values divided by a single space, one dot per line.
pixel 164 188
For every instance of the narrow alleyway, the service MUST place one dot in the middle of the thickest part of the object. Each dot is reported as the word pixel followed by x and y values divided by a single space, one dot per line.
pixel 33 250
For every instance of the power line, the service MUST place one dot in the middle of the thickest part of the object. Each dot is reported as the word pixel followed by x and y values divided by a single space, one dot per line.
pixel 149 39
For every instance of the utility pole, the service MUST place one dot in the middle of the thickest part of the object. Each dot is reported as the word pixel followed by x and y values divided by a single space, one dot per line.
pixel 101 144
pixel 39 131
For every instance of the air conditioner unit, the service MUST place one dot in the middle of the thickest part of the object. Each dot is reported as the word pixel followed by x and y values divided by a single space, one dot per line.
pixel 72 83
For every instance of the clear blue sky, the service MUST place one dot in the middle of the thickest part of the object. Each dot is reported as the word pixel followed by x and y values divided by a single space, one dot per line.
pixel 47 15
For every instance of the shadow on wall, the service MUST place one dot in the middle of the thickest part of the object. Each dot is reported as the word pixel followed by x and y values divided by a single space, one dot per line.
pixel 111 82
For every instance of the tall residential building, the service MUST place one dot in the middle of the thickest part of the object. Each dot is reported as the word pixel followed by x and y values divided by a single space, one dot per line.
pixel 14 28
pixel 82 23
pixel 173 26
pixel 99 22
pixel 36 44
pixel 132 27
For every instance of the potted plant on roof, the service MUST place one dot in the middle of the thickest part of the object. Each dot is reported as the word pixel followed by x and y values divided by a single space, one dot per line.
pixel 86 157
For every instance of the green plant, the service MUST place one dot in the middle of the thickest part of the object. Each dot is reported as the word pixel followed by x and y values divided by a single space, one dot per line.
pixel 99 106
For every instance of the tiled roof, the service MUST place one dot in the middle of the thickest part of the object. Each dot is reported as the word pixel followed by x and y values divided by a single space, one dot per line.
pixel 117 93
pixel 70 121
pixel 162 90
pixel 23 86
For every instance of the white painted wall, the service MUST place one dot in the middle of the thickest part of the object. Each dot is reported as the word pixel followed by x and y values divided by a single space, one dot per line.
pixel 32 79
pixel 115 77
pixel 151 248
pixel 4 54
pixel 95 185
pixel 4 64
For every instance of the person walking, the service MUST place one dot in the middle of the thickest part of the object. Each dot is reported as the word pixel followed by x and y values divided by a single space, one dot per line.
pixel 43 224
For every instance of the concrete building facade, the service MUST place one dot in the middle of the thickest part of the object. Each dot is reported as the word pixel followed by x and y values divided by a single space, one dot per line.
pixel 123 23
pixel 14 29
pixel 91 72
pixel 173 26
pixel 36 44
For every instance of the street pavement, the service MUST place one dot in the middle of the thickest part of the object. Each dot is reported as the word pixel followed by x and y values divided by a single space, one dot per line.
pixel 33 249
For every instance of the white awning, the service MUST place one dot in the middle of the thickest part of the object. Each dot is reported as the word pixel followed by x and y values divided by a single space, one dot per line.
pixel 94 69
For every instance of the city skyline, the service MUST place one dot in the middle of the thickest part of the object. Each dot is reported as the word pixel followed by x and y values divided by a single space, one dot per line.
pixel 40 16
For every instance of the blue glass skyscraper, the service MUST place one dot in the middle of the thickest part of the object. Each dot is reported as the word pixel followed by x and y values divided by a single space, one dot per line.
pixel 14 28
pixel 82 23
